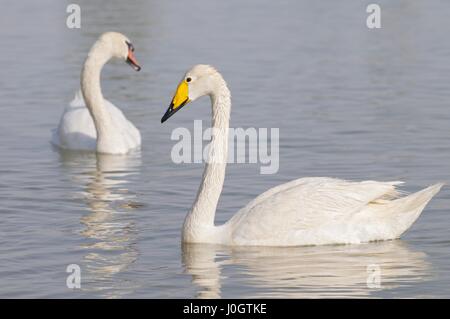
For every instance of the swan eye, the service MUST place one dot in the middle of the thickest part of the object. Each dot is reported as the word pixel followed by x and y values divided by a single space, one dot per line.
pixel 188 80
pixel 130 46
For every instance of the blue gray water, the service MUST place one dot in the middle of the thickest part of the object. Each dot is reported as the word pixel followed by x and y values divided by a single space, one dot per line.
pixel 350 102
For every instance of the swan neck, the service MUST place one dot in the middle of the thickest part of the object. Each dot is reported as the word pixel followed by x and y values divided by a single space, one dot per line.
pixel 203 210
pixel 92 92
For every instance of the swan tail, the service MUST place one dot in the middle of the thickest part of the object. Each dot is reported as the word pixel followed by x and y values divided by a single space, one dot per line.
pixel 420 198
pixel 407 209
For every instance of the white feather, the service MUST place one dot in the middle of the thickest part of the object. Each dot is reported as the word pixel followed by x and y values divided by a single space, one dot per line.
pixel 76 129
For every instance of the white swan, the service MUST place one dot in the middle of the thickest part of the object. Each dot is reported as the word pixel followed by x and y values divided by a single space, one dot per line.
pixel 306 211
pixel 98 125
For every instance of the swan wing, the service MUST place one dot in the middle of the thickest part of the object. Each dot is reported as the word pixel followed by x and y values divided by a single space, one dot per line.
pixel 130 134
pixel 286 214
pixel 76 129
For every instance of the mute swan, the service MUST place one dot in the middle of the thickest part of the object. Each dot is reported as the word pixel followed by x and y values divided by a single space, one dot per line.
pixel 98 125
pixel 306 211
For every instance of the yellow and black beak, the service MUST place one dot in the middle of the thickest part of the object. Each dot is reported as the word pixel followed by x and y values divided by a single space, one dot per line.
pixel 180 99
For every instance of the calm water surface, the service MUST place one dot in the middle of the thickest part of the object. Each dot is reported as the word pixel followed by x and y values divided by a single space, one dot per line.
pixel 350 103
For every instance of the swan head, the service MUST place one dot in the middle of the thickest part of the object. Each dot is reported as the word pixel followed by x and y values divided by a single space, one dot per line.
pixel 199 81
pixel 117 45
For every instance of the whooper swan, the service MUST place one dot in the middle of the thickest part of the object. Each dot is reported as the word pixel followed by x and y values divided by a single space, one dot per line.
pixel 306 211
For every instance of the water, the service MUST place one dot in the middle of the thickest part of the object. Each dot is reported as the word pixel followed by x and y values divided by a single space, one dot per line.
pixel 350 103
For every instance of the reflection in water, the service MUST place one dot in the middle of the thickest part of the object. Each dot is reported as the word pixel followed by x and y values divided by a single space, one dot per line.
pixel 108 229
pixel 304 272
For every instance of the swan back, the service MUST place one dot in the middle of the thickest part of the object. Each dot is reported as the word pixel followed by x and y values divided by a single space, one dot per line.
pixel 314 211
pixel 76 130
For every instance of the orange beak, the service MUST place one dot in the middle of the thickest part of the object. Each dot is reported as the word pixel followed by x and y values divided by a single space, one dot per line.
pixel 131 59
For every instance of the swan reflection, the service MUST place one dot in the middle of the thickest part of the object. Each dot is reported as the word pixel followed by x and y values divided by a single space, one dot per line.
pixel 109 230
pixel 303 272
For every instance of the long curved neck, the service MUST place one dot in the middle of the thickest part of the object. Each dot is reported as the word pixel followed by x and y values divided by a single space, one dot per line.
pixel 204 208
pixel 92 92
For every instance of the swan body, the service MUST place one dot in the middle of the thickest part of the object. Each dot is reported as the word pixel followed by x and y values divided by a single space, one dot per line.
pixel 328 211
pixel 306 211
pixel 90 122
pixel 76 130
